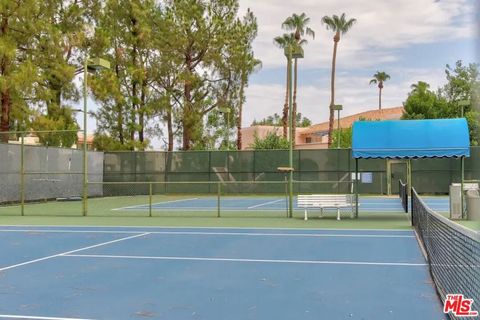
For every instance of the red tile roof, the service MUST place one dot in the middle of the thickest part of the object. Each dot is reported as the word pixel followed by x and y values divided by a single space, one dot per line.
pixel 346 122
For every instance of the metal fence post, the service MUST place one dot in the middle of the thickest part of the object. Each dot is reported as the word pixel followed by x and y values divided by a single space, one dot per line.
pixel 219 191
pixel 150 199
pixel 22 175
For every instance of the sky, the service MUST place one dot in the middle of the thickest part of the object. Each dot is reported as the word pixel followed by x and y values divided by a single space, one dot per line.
pixel 411 40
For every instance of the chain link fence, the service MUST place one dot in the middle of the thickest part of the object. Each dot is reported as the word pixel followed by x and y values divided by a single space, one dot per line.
pixel 48 180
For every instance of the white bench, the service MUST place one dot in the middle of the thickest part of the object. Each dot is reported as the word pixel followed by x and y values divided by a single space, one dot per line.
pixel 326 201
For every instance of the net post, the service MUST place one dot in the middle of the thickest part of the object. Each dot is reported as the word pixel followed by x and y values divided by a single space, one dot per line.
pixel 286 194
pixel 356 187
pixel 22 175
pixel 85 164
pixel 462 175
pixel 411 205
pixel 150 199
pixel 289 189
pixel 409 177
pixel 219 191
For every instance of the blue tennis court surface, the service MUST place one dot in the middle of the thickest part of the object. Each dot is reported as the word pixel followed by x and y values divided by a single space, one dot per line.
pixel 367 204
pixel 213 273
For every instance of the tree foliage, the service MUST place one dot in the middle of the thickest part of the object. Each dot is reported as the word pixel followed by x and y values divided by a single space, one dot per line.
pixel 174 64
pixel 276 120
pixel 345 138
pixel 271 141
pixel 449 100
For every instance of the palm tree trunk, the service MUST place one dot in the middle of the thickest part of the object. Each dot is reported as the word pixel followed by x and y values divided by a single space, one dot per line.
pixel 294 109
pixel 285 109
pixel 332 85
pixel 380 99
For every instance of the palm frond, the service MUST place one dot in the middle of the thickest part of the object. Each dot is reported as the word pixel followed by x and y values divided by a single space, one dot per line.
pixel 329 23
pixel 303 42
pixel 298 23
pixel 310 32
pixel 338 23
pixel 348 25
pixel 284 40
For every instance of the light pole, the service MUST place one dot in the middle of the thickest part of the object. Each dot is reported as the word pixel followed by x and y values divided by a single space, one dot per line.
pixel 291 52
pixel 462 104
pixel 226 111
pixel 93 64
pixel 338 107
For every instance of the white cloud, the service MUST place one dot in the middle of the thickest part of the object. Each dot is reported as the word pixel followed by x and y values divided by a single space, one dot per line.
pixel 382 26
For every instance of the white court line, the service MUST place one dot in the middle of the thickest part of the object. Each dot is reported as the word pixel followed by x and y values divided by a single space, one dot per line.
pixel 250 234
pixel 72 251
pixel 410 230
pixel 146 205
pixel 70 231
pixel 247 260
pixel 265 203
pixel 145 208
pixel 10 316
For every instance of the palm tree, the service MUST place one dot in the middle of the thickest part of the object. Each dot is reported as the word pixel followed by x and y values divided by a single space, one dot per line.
pixel 298 24
pixel 420 87
pixel 339 25
pixel 379 78
pixel 283 42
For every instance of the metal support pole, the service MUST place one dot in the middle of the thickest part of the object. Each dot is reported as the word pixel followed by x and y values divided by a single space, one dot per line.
pixel 228 131
pixel 150 199
pixel 286 194
pixel 22 175
pixel 338 129
pixel 219 192
pixel 85 173
pixel 290 149
pixel 409 177
pixel 356 187
pixel 389 178
pixel 462 168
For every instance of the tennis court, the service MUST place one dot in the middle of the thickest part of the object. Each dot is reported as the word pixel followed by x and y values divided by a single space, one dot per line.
pixel 213 273
pixel 367 204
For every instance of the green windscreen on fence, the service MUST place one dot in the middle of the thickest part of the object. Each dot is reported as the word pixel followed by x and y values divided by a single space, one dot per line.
pixel 51 174
pixel 429 175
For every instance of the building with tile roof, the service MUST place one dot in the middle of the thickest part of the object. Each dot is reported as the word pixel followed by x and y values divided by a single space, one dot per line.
pixel 316 136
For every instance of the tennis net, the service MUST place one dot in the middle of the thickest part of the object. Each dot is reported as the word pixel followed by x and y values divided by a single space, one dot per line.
pixel 403 193
pixel 453 252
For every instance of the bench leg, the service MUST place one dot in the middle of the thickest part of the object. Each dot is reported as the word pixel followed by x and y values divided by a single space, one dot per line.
pixel 306 217
pixel 321 212
pixel 338 214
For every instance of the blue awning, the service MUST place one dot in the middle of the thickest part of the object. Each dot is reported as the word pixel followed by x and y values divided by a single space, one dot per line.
pixel 437 138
